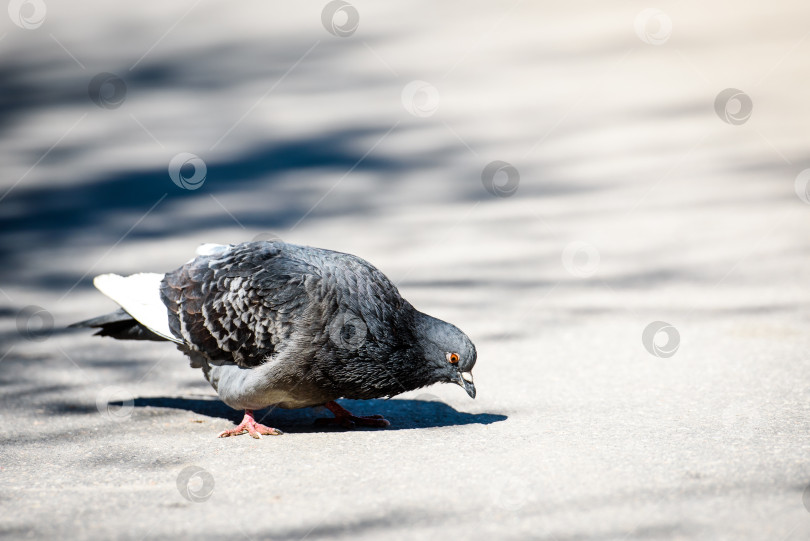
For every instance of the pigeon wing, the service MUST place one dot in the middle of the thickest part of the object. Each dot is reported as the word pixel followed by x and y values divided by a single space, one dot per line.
pixel 238 304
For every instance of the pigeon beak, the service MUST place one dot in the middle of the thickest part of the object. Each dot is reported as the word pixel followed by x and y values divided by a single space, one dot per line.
pixel 465 380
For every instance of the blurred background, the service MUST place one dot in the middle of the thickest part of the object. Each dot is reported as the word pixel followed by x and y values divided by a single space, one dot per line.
pixel 611 200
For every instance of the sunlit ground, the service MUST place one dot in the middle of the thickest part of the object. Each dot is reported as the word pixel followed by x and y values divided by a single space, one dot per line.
pixel 554 179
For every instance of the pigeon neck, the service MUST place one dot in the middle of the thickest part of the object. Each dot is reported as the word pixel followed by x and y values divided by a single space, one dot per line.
pixel 432 332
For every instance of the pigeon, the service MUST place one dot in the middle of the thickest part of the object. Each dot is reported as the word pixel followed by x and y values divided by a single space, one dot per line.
pixel 277 324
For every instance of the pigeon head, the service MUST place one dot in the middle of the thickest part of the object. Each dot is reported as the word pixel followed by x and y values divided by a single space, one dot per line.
pixel 449 352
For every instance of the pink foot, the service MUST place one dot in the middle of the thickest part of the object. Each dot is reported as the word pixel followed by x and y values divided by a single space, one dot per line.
pixel 344 418
pixel 250 426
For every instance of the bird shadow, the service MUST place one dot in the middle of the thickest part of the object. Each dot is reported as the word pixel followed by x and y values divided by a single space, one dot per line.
pixel 404 414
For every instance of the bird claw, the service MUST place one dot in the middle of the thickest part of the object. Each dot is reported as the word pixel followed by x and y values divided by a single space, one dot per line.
pixel 249 425
pixel 256 431
pixel 345 419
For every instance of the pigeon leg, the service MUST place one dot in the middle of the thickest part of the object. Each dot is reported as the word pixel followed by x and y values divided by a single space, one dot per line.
pixel 250 426
pixel 344 418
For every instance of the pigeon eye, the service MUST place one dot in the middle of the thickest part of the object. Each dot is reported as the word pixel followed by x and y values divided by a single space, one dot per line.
pixel 452 358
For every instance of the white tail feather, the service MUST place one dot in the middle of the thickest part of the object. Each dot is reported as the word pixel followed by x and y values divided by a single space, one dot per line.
pixel 139 295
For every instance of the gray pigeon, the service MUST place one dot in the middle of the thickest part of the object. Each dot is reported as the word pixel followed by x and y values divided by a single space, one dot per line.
pixel 271 323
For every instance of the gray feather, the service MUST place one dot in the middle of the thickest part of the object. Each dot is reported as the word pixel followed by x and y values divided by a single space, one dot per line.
pixel 271 323
pixel 120 325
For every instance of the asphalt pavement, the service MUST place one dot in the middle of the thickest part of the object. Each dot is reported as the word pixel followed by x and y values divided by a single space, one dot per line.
pixel 611 201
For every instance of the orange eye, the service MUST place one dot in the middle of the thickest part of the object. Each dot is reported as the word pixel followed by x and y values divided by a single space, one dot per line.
pixel 452 358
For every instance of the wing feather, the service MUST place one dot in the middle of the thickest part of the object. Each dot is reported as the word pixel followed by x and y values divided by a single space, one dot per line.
pixel 242 304
pixel 234 305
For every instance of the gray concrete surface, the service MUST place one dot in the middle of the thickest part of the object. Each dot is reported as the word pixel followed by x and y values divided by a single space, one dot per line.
pixel 636 203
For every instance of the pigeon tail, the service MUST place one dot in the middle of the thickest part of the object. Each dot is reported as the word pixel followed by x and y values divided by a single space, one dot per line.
pixel 119 325
pixel 139 296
